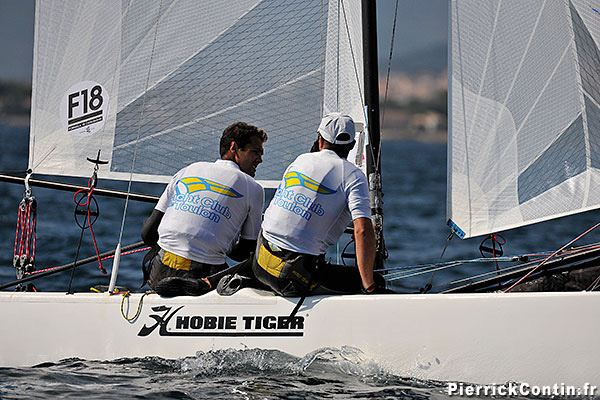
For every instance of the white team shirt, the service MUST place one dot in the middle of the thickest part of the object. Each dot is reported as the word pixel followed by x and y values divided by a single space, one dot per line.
pixel 206 206
pixel 318 197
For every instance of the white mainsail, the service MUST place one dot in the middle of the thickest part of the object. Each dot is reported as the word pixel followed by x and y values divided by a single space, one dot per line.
pixel 524 140
pixel 162 79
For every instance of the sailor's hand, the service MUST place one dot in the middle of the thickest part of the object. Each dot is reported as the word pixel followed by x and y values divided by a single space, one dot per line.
pixel 374 288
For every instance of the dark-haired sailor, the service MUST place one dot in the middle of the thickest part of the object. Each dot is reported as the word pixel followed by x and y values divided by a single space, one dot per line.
pixel 320 194
pixel 204 209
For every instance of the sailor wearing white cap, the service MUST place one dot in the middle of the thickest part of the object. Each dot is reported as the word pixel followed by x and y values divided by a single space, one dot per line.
pixel 320 194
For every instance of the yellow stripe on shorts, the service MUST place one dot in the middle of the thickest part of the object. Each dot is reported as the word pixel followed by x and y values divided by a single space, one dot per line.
pixel 176 262
pixel 270 263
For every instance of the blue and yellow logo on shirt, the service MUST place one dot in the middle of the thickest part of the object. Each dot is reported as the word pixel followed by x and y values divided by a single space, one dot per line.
pixel 196 184
pixel 294 178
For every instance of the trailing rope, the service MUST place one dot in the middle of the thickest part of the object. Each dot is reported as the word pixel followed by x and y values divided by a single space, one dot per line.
pixel 139 307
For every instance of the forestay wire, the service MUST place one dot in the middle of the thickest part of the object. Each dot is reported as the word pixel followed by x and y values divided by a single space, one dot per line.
pixel 116 260
pixel 360 90
pixel 387 78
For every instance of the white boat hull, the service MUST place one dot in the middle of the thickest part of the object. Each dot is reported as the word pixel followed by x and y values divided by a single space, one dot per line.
pixel 536 338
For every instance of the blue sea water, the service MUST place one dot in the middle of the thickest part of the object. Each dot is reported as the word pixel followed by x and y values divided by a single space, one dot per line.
pixel 414 179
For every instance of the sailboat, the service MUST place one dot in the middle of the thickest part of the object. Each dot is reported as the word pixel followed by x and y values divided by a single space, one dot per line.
pixel 130 90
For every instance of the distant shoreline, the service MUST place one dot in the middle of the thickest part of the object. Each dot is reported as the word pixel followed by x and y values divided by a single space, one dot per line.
pixel 19 121
pixel 437 136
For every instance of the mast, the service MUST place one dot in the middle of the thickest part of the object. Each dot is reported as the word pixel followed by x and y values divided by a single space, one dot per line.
pixel 371 92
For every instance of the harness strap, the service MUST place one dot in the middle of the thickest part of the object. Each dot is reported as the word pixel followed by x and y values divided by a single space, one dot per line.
pixel 176 262
pixel 309 287
pixel 298 305
pixel 269 261
pixel 146 263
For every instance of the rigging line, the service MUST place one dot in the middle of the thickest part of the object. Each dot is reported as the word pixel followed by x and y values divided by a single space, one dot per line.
pixel 74 263
pixel 587 135
pixel 420 273
pixel 324 56
pixel 551 256
pixel 222 111
pixel 113 86
pixel 470 261
pixel 90 189
pixel 103 258
pixel 43 158
pixel 387 79
pixel 506 269
pixel 594 285
pixel 360 91
pixel 403 274
pixel 34 96
pixel 66 267
pixel 429 284
pixel 337 67
pixel 143 38
pixel 139 128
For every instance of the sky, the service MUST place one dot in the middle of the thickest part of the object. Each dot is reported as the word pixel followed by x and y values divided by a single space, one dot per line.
pixel 420 24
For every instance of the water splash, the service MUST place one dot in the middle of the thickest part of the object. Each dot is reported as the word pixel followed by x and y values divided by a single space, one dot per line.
pixel 329 361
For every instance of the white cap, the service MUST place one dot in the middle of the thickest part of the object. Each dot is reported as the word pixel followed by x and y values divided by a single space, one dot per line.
pixel 337 128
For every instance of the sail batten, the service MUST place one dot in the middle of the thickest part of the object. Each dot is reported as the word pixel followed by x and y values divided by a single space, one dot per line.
pixel 524 131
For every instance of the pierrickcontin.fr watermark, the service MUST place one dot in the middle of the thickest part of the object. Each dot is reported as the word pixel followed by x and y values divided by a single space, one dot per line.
pixel 520 389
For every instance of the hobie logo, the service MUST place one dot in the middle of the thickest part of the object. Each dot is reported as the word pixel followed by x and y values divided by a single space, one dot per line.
pixel 196 184
pixel 184 324
pixel 294 178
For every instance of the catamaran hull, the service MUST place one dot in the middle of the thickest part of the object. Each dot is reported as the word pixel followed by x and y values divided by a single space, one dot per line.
pixel 536 338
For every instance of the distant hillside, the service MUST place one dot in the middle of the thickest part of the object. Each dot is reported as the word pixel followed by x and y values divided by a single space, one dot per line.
pixel 431 59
